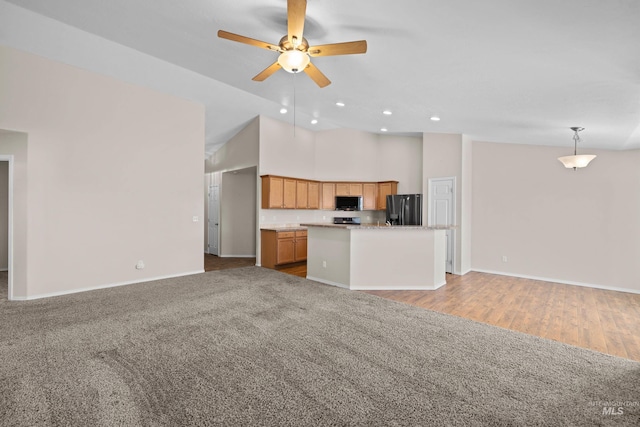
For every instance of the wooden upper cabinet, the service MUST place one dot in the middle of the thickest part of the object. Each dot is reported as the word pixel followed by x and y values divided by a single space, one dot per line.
pixel 355 189
pixel 313 193
pixel 369 193
pixel 278 192
pixel 272 192
pixel 342 189
pixel 328 196
pixel 302 194
pixel 289 193
pixel 384 189
pixel 348 189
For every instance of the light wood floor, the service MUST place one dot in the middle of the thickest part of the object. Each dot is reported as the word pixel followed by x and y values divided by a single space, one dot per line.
pixel 605 321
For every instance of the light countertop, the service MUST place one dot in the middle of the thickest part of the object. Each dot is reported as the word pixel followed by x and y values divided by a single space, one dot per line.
pixel 375 226
pixel 283 227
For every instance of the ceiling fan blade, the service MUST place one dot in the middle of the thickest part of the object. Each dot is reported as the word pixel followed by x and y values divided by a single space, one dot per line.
pixel 296 10
pixel 267 72
pixel 316 75
pixel 246 40
pixel 346 48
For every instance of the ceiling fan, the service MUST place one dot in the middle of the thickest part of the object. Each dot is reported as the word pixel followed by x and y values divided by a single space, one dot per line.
pixel 294 48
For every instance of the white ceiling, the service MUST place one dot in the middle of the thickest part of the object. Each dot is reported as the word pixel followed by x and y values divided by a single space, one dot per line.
pixel 515 71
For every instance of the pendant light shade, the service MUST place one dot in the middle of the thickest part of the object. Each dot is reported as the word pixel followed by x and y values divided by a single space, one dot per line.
pixel 576 161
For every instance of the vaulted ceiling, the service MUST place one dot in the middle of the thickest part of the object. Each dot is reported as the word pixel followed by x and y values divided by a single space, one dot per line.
pixel 513 71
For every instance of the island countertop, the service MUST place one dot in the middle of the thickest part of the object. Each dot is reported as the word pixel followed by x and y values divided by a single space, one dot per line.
pixel 364 257
pixel 283 227
pixel 373 226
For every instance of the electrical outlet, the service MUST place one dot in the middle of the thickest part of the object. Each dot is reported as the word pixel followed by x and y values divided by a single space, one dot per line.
pixel 324 264
pixel 504 258
pixel 140 265
pixel 195 219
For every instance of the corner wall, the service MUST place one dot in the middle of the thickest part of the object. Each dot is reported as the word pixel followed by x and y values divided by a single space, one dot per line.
pixel 577 227
pixel 449 155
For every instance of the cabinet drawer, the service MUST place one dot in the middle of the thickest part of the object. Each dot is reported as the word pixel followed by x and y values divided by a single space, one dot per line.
pixel 286 234
pixel 301 233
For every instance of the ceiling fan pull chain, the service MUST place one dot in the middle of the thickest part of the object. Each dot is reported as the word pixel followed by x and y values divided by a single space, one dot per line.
pixel 294 104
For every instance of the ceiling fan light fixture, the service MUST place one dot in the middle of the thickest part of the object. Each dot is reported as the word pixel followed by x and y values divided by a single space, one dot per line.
pixel 577 160
pixel 293 61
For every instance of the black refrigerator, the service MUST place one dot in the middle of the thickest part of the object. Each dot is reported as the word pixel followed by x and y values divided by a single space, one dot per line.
pixel 404 209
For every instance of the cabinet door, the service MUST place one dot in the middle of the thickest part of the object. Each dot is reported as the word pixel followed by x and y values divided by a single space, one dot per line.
pixel 369 196
pixel 301 245
pixel 342 189
pixel 328 196
pixel 302 194
pixel 355 189
pixel 289 193
pixel 313 194
pixel 286 251
pixel 272 192
pixel 385 189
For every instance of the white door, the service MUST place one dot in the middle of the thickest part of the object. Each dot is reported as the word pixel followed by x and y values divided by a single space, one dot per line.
pixel 442 212
pixel 214 218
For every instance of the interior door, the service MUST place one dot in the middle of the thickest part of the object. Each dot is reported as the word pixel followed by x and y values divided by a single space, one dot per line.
pixel 442 196
pixel 214 218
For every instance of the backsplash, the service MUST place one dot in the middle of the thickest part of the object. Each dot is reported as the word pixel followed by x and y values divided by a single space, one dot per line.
pixel 288 217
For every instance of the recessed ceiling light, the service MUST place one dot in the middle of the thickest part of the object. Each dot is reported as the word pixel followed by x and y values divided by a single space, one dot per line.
pixel 340 104
pixel 314 121
pixel 383 130
pixel 435 118
pixel 387 112
pixel 283 111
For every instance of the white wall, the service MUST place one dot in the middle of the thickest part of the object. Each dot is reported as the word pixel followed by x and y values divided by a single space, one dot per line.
pixel 400 159
pixel 554 223
pixel 284 153
pixel 114 172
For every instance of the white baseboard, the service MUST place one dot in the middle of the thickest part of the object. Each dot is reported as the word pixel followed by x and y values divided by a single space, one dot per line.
pixel 328 282
pixel 111 285
pixel 564 282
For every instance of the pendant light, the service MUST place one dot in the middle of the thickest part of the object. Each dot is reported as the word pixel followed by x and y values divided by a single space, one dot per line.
pixel 576 161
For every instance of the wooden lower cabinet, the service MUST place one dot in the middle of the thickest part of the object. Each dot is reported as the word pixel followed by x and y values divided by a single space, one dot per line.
pixel 282 247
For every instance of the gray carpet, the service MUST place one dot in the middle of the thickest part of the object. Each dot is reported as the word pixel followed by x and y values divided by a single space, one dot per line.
pixel 252 346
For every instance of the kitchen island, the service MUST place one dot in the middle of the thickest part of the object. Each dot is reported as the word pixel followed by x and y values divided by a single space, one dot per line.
pixel 376 257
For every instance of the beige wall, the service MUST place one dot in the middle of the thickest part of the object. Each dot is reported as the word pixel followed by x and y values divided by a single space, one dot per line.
pixel 554 223
pixel 238 212
pixel 449 155
pixel 15 144
pixel 4 214
pixel 240 152
pixel 114 172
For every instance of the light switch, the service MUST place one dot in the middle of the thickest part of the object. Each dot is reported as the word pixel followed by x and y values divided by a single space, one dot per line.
pixel 195 219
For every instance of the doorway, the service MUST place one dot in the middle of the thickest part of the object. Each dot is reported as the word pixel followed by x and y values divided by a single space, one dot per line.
pixel 214 218
pixel 442 197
